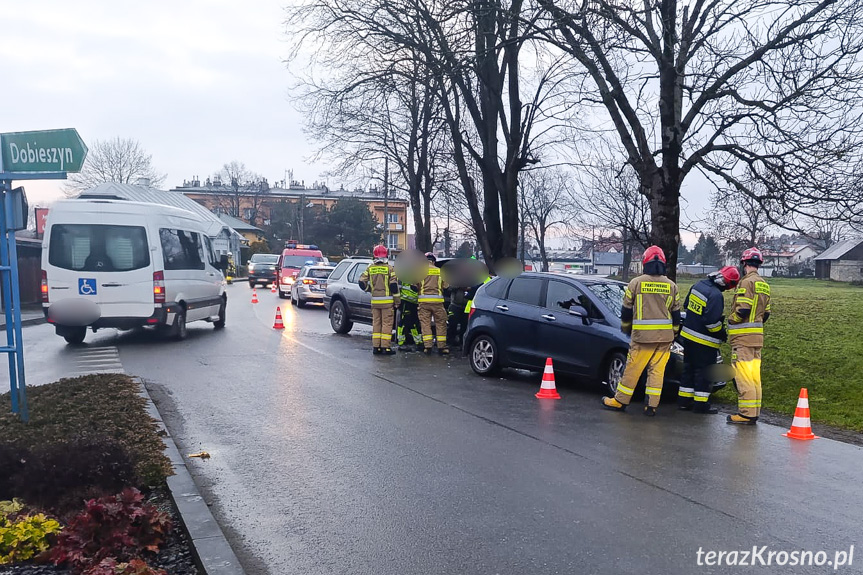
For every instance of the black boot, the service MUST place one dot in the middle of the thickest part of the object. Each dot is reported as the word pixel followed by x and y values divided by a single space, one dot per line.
pixel 649 411
pixel 377 350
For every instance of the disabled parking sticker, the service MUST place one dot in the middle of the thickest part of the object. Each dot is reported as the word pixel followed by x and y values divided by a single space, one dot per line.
pixel 87 286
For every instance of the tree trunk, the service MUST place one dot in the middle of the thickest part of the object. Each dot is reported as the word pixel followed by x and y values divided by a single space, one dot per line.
pixel 665 221
pixel 627 255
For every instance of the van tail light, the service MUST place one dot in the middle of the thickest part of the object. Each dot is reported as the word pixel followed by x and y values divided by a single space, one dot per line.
pixel 44 287
pixel 159 287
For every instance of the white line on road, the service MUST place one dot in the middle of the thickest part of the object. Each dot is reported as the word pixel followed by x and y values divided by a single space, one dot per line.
pixel 98 360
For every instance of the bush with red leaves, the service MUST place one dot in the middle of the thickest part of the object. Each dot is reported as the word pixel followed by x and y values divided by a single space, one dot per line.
pixel 121 527
pixel 133 567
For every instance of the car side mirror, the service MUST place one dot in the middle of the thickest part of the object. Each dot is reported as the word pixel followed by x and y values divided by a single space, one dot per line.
pixel 579 311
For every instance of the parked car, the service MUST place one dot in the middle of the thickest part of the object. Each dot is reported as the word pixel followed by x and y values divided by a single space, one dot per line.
pixel 263 269
pixel 141 265
pixel 343 298
pixel 573 319
pixel 294 257
pixel 310 285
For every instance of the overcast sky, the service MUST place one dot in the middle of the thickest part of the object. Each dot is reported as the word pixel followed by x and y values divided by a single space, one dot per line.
pixel 198 83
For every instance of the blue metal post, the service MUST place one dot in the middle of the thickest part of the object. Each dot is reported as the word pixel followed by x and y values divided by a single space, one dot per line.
pixel 5 279
pixel 16 302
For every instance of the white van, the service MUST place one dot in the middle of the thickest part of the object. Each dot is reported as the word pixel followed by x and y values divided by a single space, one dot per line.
pixel 122 264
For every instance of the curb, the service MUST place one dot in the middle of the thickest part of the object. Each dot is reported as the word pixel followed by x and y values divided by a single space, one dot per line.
pixel 211 549
pixel 28 321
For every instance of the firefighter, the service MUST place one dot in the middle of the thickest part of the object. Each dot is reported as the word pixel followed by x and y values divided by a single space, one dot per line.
pixel 749 312
pixel 431 305
pixel 409 325
pixel 651 315
pixel 380 279
pixel 702 334
pixel 456 316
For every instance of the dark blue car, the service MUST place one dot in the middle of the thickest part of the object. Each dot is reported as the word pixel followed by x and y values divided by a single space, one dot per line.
pixel 575 320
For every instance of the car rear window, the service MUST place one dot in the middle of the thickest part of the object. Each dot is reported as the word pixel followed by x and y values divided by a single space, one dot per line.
pixel 264 258
pixel 339 271
pixel 525 290
pixel 319 274
pixel 496 288
pixel 299 261
pixel 98 248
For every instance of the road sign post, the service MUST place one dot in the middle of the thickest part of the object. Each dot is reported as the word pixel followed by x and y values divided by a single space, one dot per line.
pixel 42 155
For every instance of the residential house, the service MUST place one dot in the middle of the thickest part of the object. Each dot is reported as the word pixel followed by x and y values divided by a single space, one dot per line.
pixel 257 204
pixel 790 260
pixel 249 232
pixel 841 262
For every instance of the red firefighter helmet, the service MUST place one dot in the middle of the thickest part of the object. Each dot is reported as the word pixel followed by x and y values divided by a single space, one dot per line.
pixel 380 251
pixel 653 253
pixel 752 255
pixel 728 277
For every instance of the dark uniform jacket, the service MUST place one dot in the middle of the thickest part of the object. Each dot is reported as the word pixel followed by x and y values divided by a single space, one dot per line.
pixel 703 323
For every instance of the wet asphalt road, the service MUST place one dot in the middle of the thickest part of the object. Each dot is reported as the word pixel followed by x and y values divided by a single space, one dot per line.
pixel 326 459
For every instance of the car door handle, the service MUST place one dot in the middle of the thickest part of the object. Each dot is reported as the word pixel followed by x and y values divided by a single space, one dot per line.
pixel 502 307
pixel 549 317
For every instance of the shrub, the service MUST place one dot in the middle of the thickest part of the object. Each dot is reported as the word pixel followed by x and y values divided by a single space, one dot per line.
pixel 61 475
pixel 12 458
pixel 23 537
pixel 119 526
pixel 134 567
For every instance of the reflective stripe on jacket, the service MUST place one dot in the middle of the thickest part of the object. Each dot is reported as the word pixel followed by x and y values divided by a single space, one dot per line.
pixel 431 289
pixel 651 309
pixel 704 306
pixel 751 303
pixel 408 294
pixel 378 277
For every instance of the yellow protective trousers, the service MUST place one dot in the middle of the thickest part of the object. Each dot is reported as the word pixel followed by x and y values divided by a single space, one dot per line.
pixel 747 379
pixel 652 356
pixel 426 312
pixel 382 326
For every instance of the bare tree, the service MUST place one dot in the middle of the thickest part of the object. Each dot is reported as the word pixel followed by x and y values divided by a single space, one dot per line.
pixel 764 97
pixel 245 191
pixel 542 197
pixel 120 160
pixel 610 198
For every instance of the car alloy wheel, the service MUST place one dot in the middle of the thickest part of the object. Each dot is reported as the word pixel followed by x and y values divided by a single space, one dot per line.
pixel 614 372
pixel 483 355
pixel 339 318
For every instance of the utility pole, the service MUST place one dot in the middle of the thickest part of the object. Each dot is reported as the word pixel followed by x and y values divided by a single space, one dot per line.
pixel 386 201
pixel 302 215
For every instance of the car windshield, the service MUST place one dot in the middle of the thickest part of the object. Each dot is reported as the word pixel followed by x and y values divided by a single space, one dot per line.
pixel 299 261
pixel 264 259
pixel 318 274
pixel 611 294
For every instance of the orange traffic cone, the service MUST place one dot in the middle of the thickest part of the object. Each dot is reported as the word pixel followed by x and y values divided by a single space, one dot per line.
pixel 278 324
pixel 254 295
pixel 548 390
pixel 273 288
pixel 801 427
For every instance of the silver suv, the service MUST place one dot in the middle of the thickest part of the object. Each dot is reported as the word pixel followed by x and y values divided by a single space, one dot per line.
pixel 345 301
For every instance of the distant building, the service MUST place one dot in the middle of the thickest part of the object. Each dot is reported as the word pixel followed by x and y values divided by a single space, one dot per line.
pixel 791 260
pixel 225 239
pixel 607 263
pixel 841 262
pixel 257 204
pixel 249 232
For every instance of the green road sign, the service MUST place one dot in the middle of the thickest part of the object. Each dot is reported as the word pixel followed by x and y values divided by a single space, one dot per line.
pixel 43 151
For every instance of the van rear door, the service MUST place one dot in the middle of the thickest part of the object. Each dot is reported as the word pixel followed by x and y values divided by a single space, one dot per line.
pixel 109 265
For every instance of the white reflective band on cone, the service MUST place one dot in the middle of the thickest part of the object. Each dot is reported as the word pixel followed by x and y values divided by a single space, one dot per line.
pixel 800 422
pixel 547 385
pixel 803 402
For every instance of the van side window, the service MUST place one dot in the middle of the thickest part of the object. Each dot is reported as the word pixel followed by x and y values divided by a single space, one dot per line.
pixel 210 254
pixel 181 249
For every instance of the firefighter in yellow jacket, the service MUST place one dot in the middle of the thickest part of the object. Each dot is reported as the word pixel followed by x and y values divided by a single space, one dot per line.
pixel 651 315
pixel 380 279
pixel 749 311
pixel 431 305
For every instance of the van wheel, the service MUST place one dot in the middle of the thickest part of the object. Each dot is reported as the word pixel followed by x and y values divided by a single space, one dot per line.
pixel 483 355
pixel 339 319
pixel 76 336
pixel 179 332
pixel 220 323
